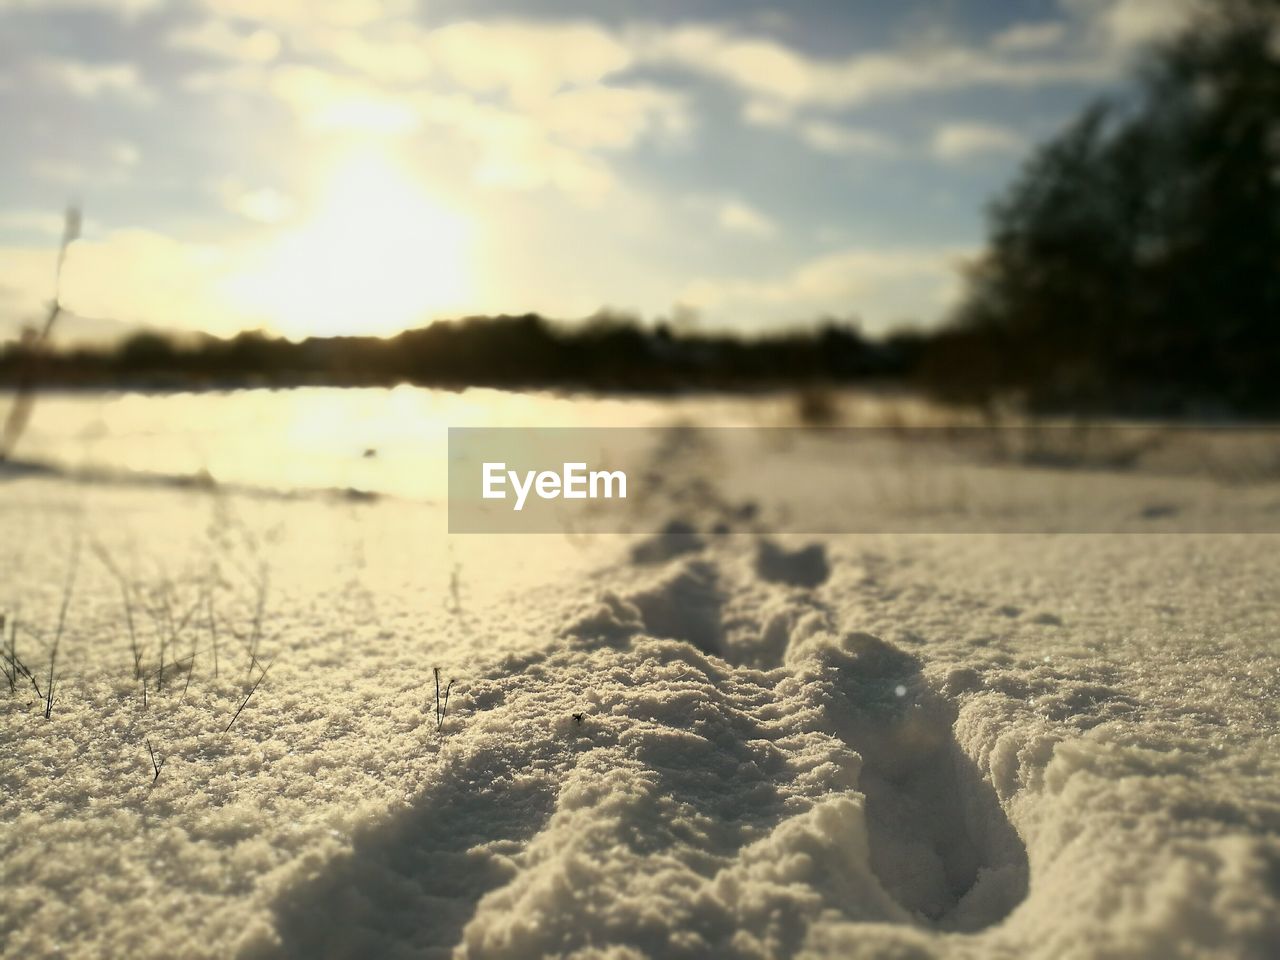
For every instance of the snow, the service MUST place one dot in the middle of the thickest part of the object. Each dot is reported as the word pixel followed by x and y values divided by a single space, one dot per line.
pixel 900 745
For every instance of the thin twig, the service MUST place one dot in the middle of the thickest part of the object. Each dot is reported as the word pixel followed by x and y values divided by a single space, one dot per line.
pixel 127 600
pixel 262 676
pixel 194 641
pixel 10 669
pixel 442 707
pixel 190 670
pixel 213 630
pixel 14 667
pixel 67 589
pixel 156 765
pixel 260 608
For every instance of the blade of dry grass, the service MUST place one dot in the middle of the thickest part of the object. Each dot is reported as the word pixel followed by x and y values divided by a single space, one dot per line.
pixel 262 676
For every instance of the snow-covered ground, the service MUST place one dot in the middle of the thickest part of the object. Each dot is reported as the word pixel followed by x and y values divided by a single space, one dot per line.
pixel 900 745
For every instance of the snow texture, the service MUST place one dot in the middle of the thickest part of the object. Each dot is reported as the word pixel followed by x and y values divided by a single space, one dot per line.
pixel 699 745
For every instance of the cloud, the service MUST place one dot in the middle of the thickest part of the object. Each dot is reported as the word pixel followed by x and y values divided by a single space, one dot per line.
pixel 515 151
pixel 531 98
pixel 58 171
pixel 531 60
pixel 261 205
pixel 553 142
pixel 527 61
pixel 124 154
pixel 217 38
pixel 883 286
pixel 1135 22
pixel 394 52
pixel 556 143
pixel 558 94
pixel 112 164
pixel 739 217
pixel 957 142
pixel 1125 25
pixel 32 221
pixel 1027 37
pixel 853 141
pixel 134 276
pixel 1121 27
pixel 90 81
pixel 612 118
pixel 339 13
pixel 125 8
pixel 778 76
pixel 767 113
pixel 760 66
pixel 327 101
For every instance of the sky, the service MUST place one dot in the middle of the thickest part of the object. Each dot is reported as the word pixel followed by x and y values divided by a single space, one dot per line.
pixel 316 167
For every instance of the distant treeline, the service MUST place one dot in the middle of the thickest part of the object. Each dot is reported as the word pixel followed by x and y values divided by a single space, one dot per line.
pixel 603 353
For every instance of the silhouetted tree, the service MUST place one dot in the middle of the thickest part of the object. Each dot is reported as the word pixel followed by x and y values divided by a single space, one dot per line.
pixel 1135 262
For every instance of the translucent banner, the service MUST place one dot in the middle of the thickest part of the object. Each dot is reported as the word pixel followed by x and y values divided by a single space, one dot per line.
pixel 1046 478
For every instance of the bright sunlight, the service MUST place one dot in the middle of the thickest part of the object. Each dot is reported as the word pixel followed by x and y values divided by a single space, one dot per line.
pixel 380 254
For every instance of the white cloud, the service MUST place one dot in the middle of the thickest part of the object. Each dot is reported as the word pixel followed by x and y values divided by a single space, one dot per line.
pixel 834 138
pixel 1127 24
pixel 395 52
pixel 528 61
pixel 551 142
pixel 32 221
pixel 1025 37
pixel 774 74
pixel 515 151
pixel 328 101
pixel 766 113
pixel 532 163
pixel 126 8
pixel 957 142
pixel 882 286
pixel 58 171
pixel 261 205
pixel 128 275
pixel 530 97
pixel 124 154
pixel 294 13
pixel 92 80
pixel 612 118
pixel 737 216
pixel 761 66
pixel 110 165
pixel 218 38
pixel 1134 22
pixel 552 92
pixel 554 142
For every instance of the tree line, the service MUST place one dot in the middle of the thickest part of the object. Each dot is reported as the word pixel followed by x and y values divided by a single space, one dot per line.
pixel 607 352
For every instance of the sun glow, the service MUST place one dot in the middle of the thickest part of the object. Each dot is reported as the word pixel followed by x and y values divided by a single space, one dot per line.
pixel 380 254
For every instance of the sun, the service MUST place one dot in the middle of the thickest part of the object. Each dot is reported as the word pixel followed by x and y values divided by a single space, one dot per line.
pixel 379 254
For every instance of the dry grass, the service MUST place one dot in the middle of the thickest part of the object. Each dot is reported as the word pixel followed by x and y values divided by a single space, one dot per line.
pixel 442 705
